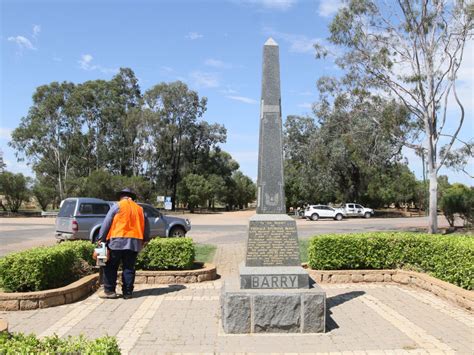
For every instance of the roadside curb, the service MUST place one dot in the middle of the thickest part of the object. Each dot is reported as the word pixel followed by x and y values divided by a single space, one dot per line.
pixel 78 290
pixel 443 289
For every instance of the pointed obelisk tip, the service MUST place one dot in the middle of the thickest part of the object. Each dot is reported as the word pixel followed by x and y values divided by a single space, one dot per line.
pixel 271 42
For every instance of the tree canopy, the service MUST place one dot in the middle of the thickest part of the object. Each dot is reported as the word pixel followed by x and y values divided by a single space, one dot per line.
pixel 88 138
pixel 411 50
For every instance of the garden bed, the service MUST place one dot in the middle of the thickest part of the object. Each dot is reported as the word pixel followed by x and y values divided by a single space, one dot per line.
pixel 443 289
pixel 22 301
pixel 48 276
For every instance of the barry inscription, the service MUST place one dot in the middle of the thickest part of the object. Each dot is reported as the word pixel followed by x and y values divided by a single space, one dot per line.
pixel 274 281
pixel 272 243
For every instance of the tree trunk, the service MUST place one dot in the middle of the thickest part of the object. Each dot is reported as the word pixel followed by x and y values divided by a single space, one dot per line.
pixel 433 206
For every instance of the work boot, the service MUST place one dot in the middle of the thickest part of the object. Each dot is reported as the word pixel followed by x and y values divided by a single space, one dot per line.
pixel 127 296
pixel 107 295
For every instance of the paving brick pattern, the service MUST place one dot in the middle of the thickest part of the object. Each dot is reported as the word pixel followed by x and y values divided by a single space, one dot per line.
pixel 361 319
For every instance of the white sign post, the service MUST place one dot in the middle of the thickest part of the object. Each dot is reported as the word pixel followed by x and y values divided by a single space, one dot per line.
pixel 168 204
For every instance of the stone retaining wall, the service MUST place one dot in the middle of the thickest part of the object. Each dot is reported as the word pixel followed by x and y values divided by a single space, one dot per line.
pixel 15 301
pixel 450 292
pixel 19 301
pixel 207 272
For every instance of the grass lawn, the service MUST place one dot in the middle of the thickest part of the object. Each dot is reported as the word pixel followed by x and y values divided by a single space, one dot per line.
pixel 204 252
pixel 304 243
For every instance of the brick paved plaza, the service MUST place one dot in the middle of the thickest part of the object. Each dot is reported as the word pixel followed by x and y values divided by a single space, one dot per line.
pixel 361 318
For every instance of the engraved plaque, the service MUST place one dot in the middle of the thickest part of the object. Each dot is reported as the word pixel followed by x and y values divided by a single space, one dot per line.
pixel 272 243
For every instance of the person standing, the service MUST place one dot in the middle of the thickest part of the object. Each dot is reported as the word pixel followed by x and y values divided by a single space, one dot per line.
pixel 125 231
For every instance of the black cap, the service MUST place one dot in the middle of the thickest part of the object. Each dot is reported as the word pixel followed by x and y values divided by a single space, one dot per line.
pixel 127 192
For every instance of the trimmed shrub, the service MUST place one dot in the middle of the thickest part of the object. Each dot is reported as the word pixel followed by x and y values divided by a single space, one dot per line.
pixel 19 343
pixel 83 249
pixel 45 267
pixel 167 253
pixel 447 257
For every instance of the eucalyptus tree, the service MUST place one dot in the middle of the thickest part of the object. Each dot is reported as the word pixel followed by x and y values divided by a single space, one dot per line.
pixel 90 102
pixel 412 50
pixel 50 135
pixel 15 189
pixel 245 190
pixel 124 123
pixel 171 113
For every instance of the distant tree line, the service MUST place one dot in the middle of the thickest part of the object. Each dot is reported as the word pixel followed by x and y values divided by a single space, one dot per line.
pixel 350 150
pixel 411 51
pixel 92 138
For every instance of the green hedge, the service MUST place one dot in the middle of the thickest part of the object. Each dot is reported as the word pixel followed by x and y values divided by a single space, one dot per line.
pixel 19 343
pixel 167 253
pixel 447 257
pixel 45 267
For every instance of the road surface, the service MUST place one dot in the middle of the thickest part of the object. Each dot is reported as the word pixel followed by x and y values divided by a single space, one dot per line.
pixel 18 234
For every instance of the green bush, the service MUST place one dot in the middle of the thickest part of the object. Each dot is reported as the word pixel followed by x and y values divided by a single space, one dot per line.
pixel 82 249
pixel 447 257
pixel 19 343
pixel 458 200
pixel 167 253
pixel 45 267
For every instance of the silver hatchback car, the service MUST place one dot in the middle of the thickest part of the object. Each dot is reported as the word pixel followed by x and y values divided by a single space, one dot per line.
pixel 81 218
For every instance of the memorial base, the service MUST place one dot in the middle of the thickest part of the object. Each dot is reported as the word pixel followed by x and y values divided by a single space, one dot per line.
pixel 273 277
pixel 245 311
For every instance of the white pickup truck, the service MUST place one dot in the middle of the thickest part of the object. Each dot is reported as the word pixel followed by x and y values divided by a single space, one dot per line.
pixel 356 210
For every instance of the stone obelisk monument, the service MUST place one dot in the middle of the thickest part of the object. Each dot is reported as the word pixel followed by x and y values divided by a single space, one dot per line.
pixel 274 293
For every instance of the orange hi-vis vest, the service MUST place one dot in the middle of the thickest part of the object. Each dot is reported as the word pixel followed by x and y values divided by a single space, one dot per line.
pixel 129 222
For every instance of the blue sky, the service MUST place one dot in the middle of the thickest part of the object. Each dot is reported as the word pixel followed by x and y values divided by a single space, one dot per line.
pixel 213 46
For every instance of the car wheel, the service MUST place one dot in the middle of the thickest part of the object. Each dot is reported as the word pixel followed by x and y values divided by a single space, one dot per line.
pixel 177 232
pixel 314 217
pixel 367 215
pixel 338 217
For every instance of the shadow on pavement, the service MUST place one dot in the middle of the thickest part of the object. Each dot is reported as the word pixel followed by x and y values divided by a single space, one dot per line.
pixel 335 301
pixel 158 291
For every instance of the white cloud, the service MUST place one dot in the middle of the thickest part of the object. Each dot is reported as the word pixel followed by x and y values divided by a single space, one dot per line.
pixel 298 43
pixel 216 63
pixel 328 8
pixel 281 5
pixel 85 63
pixel 194 35
pixel 36 31
pixel 22 42
pixel 246 100
pixel 229 91
pixel 205 80
pixel 5 133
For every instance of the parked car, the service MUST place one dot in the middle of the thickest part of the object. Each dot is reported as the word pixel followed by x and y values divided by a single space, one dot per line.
pixel 81 218
pixel 356 210
pixel 315 212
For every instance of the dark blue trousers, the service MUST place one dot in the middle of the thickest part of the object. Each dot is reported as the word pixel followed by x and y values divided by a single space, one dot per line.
pixel 128 259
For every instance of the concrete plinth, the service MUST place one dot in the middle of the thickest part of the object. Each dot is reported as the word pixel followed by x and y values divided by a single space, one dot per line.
pixel 273 310
pixel 276 277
